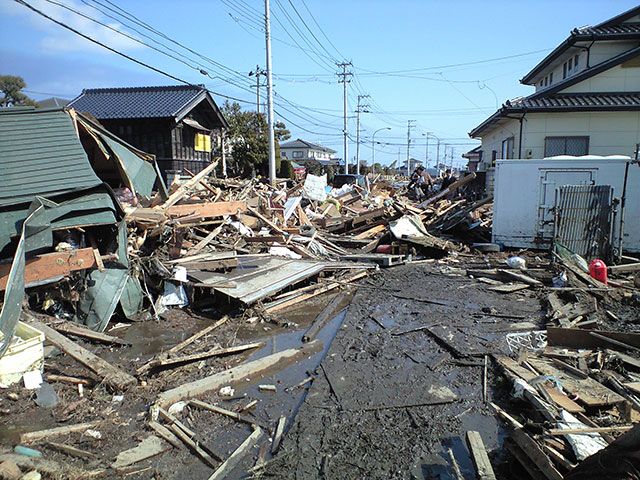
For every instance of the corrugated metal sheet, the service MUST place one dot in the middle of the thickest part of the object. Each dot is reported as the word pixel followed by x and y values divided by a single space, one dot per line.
pixel 256 278
pixel 583 219
pixel 40 154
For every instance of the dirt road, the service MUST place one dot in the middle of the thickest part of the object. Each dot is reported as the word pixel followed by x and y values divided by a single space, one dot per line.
pixel 389 404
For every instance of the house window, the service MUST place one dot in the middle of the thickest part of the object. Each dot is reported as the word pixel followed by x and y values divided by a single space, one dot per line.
pixel 566 146
pixel 297 154
pixel 575 62
pixel 564 70
pixel 494 155
pixel 570 65
pixel 507 148
pixel 550 78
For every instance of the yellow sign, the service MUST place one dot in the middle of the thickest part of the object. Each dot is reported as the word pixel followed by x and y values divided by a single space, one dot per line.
pixel 203 143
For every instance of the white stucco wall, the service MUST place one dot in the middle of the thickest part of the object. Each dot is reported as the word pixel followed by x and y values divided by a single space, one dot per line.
pixel 610 133
pixel 599 52
pixel 616 79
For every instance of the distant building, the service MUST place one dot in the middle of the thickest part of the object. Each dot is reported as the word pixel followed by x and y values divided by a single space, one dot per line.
pixel 473 158
pixel 301 151
pixel 181 125
pixel 53 102
pixel 586 99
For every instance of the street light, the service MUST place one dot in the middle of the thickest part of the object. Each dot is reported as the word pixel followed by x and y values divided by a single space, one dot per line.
pixel 373 146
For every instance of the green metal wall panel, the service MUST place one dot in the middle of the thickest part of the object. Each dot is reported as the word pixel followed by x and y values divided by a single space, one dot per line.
pixel 40 154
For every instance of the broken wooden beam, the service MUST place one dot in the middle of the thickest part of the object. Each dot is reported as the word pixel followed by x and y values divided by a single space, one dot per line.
pixel 237 374
pixel 83 332
pixel 168 362
pixel 147 448
pixel 30 437
pixel 236 457
pixel 325 315
pixel 206 210
pixel 113 376
pixel 223 411
pixel 481 462
pixel 54 265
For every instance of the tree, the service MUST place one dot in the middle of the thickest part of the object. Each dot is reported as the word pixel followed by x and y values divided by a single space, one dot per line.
pixel 248 135
pixel 286 170
pixel 10 86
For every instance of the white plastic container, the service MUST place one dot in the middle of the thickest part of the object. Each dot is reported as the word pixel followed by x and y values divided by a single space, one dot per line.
pixel 23 355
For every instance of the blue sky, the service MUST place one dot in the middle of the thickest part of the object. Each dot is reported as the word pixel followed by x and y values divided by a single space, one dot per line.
pixel 446 65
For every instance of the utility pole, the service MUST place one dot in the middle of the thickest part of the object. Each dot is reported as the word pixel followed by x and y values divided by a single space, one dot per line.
pixel 272 143
pixel 257 74
pixel 426 150
pixel 359 110
pixel 410 124
pixel 438 155
pixel 344 79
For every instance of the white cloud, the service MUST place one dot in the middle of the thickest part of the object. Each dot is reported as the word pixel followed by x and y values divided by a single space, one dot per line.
pixel 57 39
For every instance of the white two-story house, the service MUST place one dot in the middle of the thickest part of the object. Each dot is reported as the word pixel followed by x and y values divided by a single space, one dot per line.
pixel 586 100
pixel 301 151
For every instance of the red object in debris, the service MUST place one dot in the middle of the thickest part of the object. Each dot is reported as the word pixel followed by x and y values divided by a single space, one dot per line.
pixel 598 270
pixel 383 249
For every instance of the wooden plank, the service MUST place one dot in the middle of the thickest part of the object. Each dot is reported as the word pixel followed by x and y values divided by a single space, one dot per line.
pixel 323 317
pixel 237 416
pixel 175 349
pixel 276 306
pixel 577 338
pixel 83 332
pixel 590 392
pixel 484 470
pixel 444 193
pixel 237 374
pixel 626 268
pixel 562 400
pixel 277 437
pixel 31 437
pixel 147 448
pixel 633 386
pixel 51 265
pixel 371 233
pixel 179 194
pixel 111 375
pixel 207 210
pixel 167 362
pixel 237 456
pixel 194 446
pixel 165 433
pixel 520 277
pixel 570 431
pixel 69 450
pixel 535 454
pixel 509 288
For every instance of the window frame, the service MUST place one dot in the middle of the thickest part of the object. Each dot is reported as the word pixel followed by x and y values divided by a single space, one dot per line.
pixel 565 138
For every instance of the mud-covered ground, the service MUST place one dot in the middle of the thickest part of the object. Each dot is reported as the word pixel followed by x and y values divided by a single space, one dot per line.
pixel 393 395
pixel 391 405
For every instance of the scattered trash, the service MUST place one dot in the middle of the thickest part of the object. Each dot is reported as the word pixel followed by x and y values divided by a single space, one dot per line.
pixel 32 379
pixel 517 263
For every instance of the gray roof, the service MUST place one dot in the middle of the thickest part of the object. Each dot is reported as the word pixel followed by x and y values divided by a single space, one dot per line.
pixel 611 29
pixel 564 102
pixel 53 102
pixel 299 143
pixel 174 101
pixel 40 154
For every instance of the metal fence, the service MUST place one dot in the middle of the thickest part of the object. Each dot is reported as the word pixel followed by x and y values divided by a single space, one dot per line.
pixel 583 220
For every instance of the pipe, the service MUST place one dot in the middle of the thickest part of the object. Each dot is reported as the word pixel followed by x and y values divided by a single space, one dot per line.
pixel 623 202
pixel 520 138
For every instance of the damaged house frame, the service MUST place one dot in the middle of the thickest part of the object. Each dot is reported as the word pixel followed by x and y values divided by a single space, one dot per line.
pixel 59 214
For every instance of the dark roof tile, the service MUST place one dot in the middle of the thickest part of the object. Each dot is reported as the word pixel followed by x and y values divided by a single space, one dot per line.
pixel 136 102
